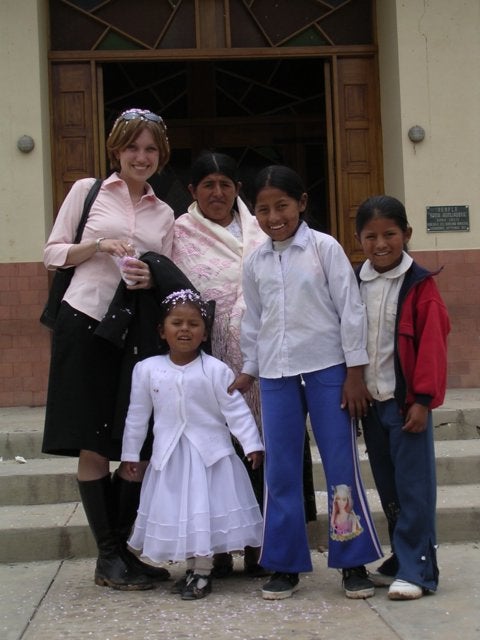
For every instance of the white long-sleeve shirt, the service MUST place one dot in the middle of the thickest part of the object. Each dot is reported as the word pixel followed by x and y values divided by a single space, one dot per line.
pixel 304 311
pixel 189 400
pixel 379 292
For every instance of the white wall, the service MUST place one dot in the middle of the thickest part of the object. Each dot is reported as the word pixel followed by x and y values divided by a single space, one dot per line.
pixel 434 82
pixel 25 179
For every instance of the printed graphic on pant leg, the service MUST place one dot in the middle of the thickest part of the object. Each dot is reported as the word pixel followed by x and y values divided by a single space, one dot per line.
pixel 344 523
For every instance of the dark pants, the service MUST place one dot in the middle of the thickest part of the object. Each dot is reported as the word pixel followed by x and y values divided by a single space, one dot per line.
pixel 403 466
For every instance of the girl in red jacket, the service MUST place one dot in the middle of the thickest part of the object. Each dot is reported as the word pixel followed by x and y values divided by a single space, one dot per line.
pixel 406 377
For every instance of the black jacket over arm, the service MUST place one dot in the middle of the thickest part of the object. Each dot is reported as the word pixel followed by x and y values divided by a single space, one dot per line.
pixel 131 323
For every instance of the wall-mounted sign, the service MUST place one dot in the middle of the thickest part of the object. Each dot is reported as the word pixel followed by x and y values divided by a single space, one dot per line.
pixel 450 217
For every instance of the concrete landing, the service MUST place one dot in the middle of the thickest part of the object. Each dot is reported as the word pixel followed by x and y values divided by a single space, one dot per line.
pixel 58 599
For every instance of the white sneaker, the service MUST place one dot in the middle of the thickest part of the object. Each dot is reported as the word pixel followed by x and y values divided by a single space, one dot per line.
pixel 403 590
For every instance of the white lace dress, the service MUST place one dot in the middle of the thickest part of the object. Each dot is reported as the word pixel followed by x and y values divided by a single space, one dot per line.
pixel 196 497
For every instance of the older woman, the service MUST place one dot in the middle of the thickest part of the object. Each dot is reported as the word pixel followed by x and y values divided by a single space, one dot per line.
pixel 211 241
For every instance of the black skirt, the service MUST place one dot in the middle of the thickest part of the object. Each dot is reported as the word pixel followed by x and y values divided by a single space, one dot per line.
pixel 88 390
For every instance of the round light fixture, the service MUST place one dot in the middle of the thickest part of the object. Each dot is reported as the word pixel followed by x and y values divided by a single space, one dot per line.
pixel 25 144
pixel 416 133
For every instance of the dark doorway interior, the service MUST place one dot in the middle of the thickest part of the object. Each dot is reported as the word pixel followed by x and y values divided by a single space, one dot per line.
pixel 258 111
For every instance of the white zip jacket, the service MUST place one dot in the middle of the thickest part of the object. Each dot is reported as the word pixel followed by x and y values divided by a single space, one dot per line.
pixel 190 400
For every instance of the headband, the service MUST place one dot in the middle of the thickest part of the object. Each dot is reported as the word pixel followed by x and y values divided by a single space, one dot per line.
pixel 182 297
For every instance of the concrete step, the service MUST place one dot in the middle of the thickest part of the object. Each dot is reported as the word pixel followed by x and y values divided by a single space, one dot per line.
pixel 42 519
pixel 44 532
pixel 457 462
pixel 21 428
pixel 52 480
pixel 56 531
pixel 39 481
pixel 21 432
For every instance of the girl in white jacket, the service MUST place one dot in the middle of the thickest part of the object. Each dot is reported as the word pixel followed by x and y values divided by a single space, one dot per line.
pixel 196 498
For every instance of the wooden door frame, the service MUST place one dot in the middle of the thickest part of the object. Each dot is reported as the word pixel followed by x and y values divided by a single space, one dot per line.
pixel 341 205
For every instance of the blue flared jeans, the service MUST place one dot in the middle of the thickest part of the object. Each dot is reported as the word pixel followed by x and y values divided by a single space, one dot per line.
pixel 353 541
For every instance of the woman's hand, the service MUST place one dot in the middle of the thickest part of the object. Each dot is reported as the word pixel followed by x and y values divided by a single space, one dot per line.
pixel 83 251
pixel 242 383
pixel 256 458
pixel 138 272
pixel 118 248
pixel 133 270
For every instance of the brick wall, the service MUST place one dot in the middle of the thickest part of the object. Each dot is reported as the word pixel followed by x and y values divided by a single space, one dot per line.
pixel 459 284
pixel 24 342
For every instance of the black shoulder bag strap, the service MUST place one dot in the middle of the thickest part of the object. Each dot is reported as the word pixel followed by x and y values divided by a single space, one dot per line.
pixel 63 277
pixel 91 195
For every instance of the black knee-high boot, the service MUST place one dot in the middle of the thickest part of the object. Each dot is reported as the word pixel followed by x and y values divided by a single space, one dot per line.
pixel 126 499
pixel 111 570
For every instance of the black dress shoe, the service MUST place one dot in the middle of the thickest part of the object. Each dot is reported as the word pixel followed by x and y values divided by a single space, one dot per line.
pixel 197 587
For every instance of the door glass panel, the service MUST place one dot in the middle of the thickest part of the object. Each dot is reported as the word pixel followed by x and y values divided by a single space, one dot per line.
pixel 262 113
pixel 173 24
pixel 115 41
pixel 308 38
pixel 258 88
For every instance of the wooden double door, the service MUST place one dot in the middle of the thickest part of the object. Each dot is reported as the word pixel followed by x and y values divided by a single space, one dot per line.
pixel 319 115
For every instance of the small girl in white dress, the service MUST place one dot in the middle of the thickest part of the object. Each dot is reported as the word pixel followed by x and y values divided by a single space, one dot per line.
pixel 197 499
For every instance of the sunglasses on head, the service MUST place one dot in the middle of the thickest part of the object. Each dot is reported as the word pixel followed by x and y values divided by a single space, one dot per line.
pixel 140 114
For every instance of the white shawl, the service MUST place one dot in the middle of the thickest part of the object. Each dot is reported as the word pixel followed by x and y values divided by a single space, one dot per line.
pixel 212 258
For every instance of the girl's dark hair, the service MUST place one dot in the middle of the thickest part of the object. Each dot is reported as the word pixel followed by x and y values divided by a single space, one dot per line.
pixel 381 207
pixel 279 177
pixel 212 162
